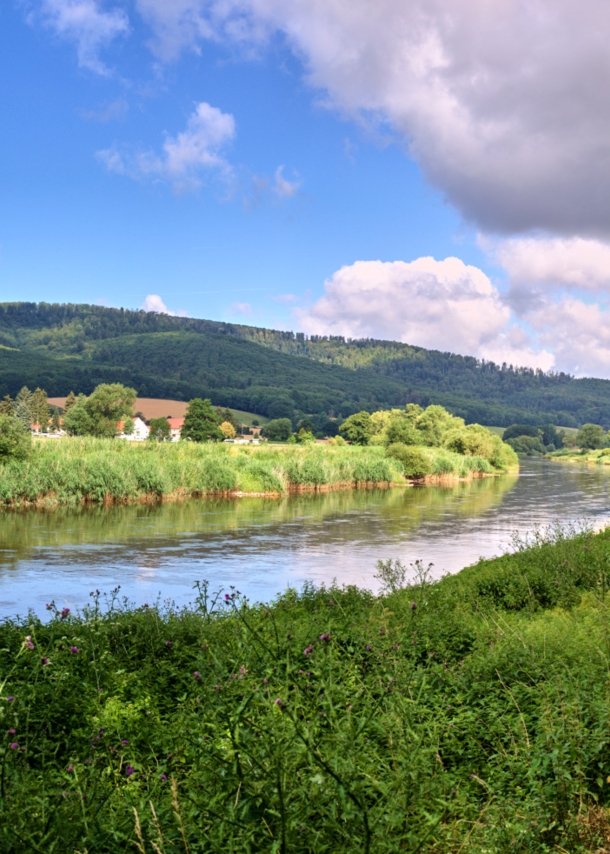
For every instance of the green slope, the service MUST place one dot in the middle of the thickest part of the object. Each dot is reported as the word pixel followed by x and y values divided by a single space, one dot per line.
pixel 74 347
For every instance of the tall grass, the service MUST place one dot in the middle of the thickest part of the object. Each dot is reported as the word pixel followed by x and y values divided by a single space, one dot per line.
pixel 74 470
pixel 467 715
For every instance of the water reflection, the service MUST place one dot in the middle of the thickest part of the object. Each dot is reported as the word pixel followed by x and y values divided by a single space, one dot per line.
pixel 261 545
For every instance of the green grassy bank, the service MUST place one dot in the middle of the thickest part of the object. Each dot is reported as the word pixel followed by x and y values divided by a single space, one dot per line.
pixel 468 715
pixel 574 455
pixel 70 471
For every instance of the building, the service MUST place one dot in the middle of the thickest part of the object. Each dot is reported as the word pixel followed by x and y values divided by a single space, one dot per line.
pixel 175 426
pixel 140 430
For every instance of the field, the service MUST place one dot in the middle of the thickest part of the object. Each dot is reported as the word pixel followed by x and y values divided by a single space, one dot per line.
pixel 466 716
pixel 77 470
pixel 151 407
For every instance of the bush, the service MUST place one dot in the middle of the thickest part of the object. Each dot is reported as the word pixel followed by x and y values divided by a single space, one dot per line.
pixel 277 430
pixel 414 461
pixel 15 440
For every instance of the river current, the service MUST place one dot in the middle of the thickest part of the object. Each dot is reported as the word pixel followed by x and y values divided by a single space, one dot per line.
pixel 261 546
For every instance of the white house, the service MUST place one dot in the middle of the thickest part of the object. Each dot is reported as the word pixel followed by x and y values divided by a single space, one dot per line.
pixel 175 426
pixel 140 430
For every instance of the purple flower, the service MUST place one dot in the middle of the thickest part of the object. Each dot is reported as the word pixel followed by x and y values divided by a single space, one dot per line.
pixel 129 770
pixel 325 637
pixel 28 642
pixel 70 768
pixel 45 661
pixel 168 643
pixel 227 597
pixel 368 649
pixel 265 681
pixel 164 776
pixel 413 606
pixel 196 675
pixel 12 731
pixel 330 602
pixel 124 741
pixel 64 613
pixel 14 745
pixel 9 699
pixel 279 703
pixel 308 649
pixel 74 650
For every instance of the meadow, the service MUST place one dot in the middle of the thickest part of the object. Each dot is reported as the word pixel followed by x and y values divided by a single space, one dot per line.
pixel 76 470
pixel 466 715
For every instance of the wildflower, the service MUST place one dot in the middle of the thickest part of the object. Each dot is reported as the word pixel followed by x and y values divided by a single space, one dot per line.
pixel 196 675
pixel 14 745
pixel 74 650
pixel 168 643
pixel 28 642
pixel 227 597
pixel 49 607
pixel 45 661
pixel 325 637
pixel 164 776
pixel 279 703
pixel 265 681
pixel 70 768
pixel 64 613
pixel 368 648
pixel 129 770
pixel 330 602
pixel 413 606
pixel 308 649
pixel 9 699
pixel 124 741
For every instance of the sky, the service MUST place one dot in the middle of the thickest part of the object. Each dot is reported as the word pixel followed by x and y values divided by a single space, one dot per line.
pixel 423 171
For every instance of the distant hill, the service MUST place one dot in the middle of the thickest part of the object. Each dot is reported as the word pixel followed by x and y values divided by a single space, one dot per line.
pixel 75 347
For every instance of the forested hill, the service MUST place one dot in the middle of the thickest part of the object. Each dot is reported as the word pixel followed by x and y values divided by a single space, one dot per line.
pixel 74 347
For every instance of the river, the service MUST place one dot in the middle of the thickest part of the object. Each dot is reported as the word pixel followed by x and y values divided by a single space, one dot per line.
pixel 261 546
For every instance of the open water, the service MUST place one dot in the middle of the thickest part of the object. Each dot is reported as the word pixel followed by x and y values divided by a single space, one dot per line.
pixel 261 546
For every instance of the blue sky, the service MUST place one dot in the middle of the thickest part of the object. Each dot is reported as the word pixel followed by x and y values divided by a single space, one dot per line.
pixel 311 166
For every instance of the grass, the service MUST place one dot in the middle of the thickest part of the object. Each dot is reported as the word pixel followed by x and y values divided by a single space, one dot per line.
pixel 76 470
pixel 578 455
pixel 466 715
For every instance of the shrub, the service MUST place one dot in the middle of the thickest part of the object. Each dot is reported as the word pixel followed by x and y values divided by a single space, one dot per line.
pixel 414 461
pixel 15 440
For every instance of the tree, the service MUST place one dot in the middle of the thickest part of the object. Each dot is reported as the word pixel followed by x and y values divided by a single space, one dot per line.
pixel 226 414
pixel 201 422
pixel 277 430
pixel 515 431
pixel 358 428
pixel 414 461
pixel 77 421
pixel 228 430
pixel 159 430
pixel 128 426
pixel 590 437
pixel 7 407
pixel 70 401
pixel 22 408
pixel 305 437
pixel 55 422
pixel 39 409
pixel 107 404
pixel 15 440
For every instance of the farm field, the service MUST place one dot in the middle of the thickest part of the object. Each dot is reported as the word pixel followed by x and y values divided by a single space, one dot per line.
pixel 152 407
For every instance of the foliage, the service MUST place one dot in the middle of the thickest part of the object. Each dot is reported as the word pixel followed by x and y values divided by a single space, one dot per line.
pixel 15 441
pixel 516 431
pixel 465 715
pixel 414 461
pixel 160 430
pixel 7 406
pixel 475 440
pixel 39 409
pixel 77 420
pixel 358 428
pixel 526 445
pixel 128 426
pixel 277 430
pixel 201 422
pixel 228 430
pixel 591 437
pixel 107 404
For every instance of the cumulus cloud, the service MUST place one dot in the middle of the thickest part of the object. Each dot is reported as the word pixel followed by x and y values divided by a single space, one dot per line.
pixel 88 25
pixel 185 157
pixel 502 104
pixel 445 305
pixel 154 303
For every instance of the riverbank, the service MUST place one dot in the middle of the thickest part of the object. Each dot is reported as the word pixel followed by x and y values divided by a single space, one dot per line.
pixel 600 457
pixel 469 714
pixel 87 470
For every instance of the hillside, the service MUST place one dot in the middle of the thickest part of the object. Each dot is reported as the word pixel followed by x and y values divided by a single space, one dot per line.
pixel 74 347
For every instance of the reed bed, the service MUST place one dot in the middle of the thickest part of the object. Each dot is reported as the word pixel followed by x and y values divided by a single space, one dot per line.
pixel 78 470
pixel 466 715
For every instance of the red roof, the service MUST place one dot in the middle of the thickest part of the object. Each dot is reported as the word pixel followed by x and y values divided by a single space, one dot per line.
pixel 175 423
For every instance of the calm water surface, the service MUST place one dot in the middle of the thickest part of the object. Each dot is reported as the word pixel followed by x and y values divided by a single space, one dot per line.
pixel 263 545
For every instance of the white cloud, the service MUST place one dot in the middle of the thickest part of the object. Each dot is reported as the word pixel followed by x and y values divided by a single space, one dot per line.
pixel 154 303
pixel 283 187
pixel 111 112
pixel 555 262
pixel 502 103
pixel 445 305
pixel 88 25
pixel 186 157
pixel 241 308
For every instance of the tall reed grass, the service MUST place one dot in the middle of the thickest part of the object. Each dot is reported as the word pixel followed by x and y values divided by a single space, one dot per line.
pixel 74 470
pixel 466 715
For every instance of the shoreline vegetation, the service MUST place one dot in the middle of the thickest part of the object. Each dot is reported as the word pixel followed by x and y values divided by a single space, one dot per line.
pixel 81 470
pixel 468 714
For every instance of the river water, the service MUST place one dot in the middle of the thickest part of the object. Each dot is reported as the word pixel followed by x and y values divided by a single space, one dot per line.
pixel 261 546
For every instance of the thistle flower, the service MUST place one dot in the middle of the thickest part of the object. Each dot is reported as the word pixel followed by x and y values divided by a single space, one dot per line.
pixel 14 745
pixel 74 650
pixel 196 676
pixel 64 613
